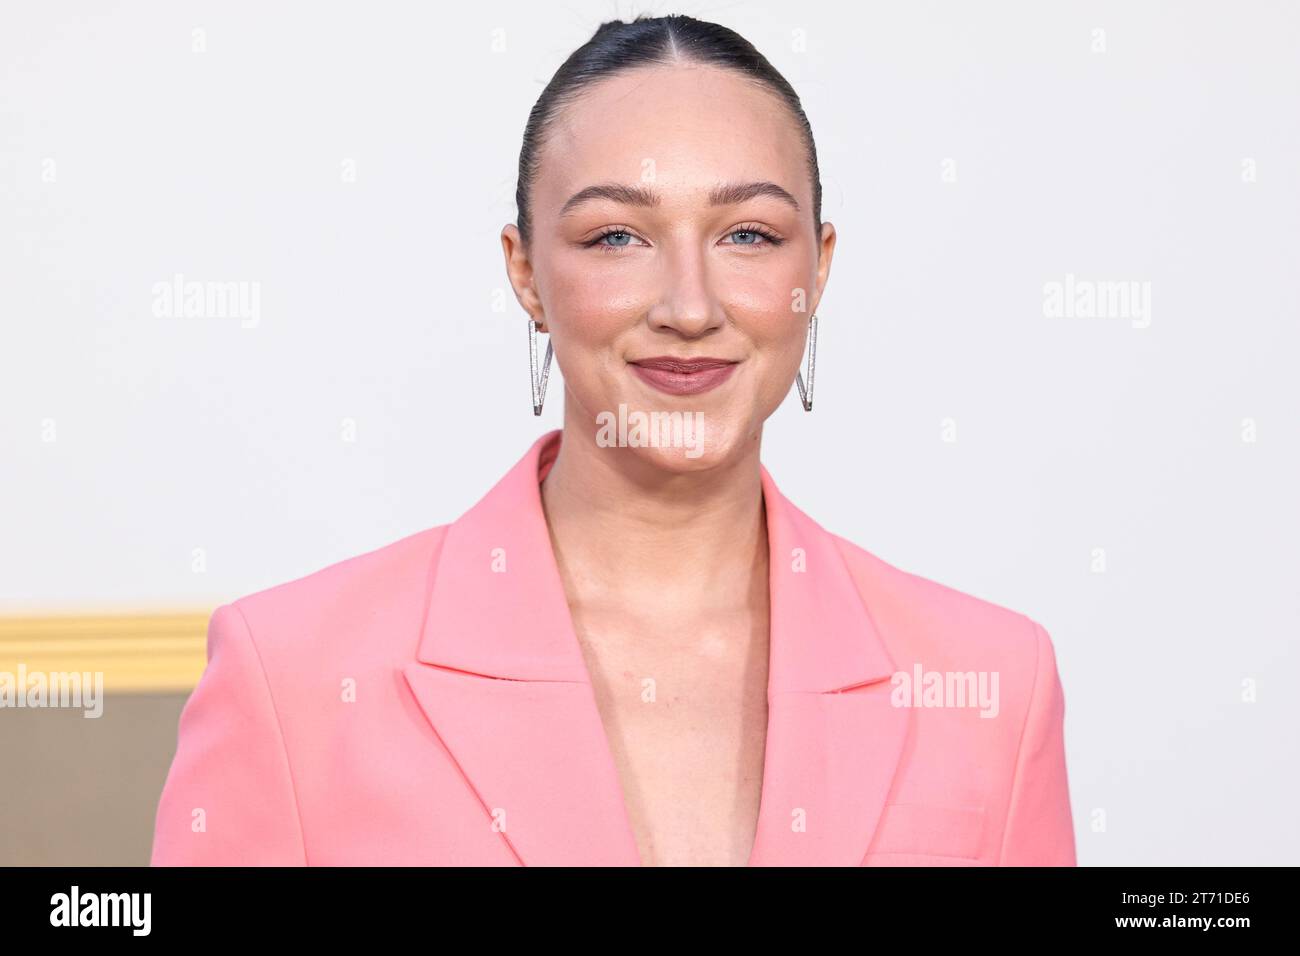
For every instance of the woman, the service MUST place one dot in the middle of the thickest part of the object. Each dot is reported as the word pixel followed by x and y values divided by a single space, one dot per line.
pixel 634 650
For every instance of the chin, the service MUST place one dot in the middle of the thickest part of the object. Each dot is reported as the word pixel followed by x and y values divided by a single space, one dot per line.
pixel 677 461
pixel 675 441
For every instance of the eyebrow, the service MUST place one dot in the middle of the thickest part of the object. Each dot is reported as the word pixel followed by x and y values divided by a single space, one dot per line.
pixel 724 194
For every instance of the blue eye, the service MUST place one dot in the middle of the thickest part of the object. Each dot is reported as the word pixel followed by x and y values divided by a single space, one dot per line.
pixel 622 239
pixel 756 237
pixel 616 238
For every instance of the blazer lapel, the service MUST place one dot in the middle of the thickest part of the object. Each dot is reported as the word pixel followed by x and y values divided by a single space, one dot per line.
pixel 833 737
pixel 500 675
pixel 501 678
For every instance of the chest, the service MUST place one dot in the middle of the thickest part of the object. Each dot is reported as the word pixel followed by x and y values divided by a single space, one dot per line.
pixel 685 713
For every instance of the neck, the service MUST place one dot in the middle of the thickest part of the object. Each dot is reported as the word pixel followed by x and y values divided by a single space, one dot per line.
pixel 622 526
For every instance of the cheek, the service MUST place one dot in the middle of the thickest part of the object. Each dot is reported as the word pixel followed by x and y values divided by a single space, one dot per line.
pixel 588 310
pixel 581 289
pixel 764 305
pixel 776 332
pixel 778 337
pixel 590 304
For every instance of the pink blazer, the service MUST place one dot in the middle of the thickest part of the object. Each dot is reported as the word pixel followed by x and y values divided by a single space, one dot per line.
pixel 417 706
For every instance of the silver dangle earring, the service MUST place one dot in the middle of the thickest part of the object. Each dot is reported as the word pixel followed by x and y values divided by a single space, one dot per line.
pixel 539 387
pixel 806 394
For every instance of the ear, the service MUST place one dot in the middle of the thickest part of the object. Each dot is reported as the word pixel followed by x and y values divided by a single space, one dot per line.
pixel 519 269
pixel 826 251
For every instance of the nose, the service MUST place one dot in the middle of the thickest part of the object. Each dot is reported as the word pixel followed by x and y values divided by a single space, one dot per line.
pixel 688 306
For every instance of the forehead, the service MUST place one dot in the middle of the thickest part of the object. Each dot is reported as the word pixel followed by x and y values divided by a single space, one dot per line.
pixel 688 126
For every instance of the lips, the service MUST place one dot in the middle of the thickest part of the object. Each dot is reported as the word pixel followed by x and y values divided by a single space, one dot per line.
pixel 682 376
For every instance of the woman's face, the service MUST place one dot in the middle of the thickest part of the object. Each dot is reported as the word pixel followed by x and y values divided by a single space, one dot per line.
pixel 659 267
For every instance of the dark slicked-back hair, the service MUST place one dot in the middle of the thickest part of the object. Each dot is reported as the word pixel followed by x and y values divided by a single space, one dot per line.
pixel 618 47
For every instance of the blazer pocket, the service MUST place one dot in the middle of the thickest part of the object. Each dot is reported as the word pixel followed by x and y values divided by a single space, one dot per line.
pixel 912 828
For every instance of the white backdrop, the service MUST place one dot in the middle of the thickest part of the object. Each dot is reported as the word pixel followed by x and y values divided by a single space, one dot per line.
pixel 1128 481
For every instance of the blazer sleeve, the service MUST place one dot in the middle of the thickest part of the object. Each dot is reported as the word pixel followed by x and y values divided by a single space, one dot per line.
pixel 1040 826
pixel 229 799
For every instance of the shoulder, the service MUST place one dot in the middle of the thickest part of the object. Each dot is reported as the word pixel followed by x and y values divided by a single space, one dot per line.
pixel 939 636
pixel 374 599
pixel 921 617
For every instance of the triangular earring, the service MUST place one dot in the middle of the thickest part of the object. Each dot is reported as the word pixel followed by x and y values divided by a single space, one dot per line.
pixel 806 394
pixel 539 386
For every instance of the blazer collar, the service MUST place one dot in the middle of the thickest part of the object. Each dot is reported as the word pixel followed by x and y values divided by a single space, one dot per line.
pixel 532 744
